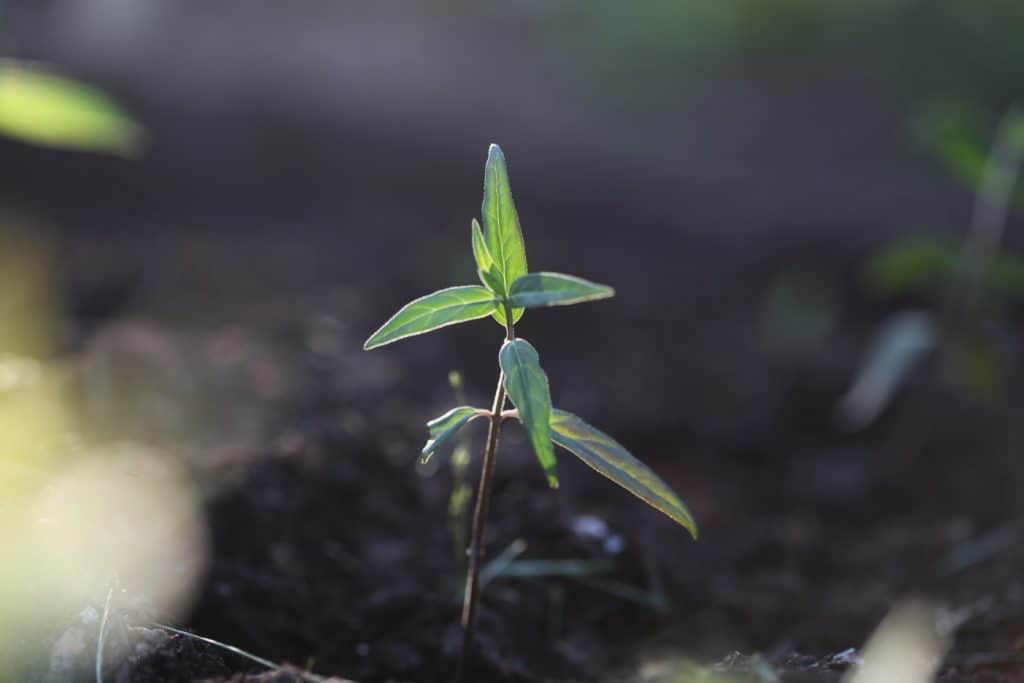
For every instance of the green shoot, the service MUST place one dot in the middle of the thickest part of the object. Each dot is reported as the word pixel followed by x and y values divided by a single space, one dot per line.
pixel 507 289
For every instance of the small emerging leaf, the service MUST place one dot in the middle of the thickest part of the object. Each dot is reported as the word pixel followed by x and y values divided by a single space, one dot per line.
pixel 501 222
pixel 555 289
pixel 527 387
pixel 42 108
pixel 445 427
pixel 607 456
pixel 499 315
pixel 433 311
pixel 486 268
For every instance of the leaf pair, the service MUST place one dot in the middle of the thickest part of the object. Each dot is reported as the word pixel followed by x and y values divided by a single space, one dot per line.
pixel 527 387
pixel 501 264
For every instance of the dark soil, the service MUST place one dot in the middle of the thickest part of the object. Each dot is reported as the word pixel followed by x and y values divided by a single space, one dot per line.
pixel 218 291
pixel 330 549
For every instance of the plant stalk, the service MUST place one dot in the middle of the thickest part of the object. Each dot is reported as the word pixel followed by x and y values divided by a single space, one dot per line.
pixel 483 500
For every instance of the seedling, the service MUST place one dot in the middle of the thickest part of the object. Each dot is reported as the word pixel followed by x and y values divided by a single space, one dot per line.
pixel 508 289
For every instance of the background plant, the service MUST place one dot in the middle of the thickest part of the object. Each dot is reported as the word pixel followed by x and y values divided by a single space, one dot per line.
pixel 968 290
pixel 508 289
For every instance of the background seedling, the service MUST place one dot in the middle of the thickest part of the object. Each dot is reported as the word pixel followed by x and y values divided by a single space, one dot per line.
pixel 967 288
pixel 508 289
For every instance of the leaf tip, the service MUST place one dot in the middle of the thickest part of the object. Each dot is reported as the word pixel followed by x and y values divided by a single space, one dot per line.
pixel 494 152
pixel 552 481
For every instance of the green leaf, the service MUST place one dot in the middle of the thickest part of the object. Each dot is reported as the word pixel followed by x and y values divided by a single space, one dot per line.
pixel 486 268
pixel 499 315
pixel 555 289
pixel 921 263
pixel 445 427
pixel 527 387
pixel 607 456
pixel 501 222
pixel 41 108
pixel 428 313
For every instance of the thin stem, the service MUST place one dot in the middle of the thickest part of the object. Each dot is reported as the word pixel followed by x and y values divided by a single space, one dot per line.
pixel 475 551
pixel 101 639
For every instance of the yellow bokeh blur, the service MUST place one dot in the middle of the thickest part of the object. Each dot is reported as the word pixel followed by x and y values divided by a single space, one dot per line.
pixel 76 518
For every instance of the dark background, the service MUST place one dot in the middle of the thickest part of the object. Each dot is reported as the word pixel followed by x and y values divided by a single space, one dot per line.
pixel 730 168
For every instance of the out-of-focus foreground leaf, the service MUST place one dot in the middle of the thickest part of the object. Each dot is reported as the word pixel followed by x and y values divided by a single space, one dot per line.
pixel 527 387
pixel 42 108
pixel 428 313
pixel 555 289
pixel 607 456
pixel 443 428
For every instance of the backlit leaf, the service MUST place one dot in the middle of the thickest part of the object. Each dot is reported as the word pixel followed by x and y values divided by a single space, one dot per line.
pixel 428 313
pixel 446 426
pixel 41 108
pixel 607 456
pixel 486 268
pixel 527 387
pixel 555 289
pixel 499 315
pixel 501 222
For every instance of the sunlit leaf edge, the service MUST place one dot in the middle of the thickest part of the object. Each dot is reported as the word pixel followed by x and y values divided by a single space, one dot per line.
pixel 481 307
pixel 502 231
pixel 444 427
pixel 527 291
pixel 652 489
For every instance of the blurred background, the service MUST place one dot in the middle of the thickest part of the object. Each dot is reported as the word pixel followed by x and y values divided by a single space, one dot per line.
pixel 807 209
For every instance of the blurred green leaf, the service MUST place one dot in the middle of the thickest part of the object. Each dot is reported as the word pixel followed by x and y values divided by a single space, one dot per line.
pixel 959 134
pixel 533 569
pixel 555 289
pixel 443 428
pixel 917 264
pixel 799 311
pixel 42 108
pixel 982 367
pixel 900 343
pixel 433 311
pixel 1006 278
pixel 502 235
pixel 924 264
pixel 608 457
pixel 527 387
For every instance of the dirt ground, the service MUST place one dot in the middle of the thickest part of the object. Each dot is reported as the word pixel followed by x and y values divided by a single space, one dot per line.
pixel 330 549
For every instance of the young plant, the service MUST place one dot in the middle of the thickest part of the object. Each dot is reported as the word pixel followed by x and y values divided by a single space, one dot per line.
pixel 508 289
